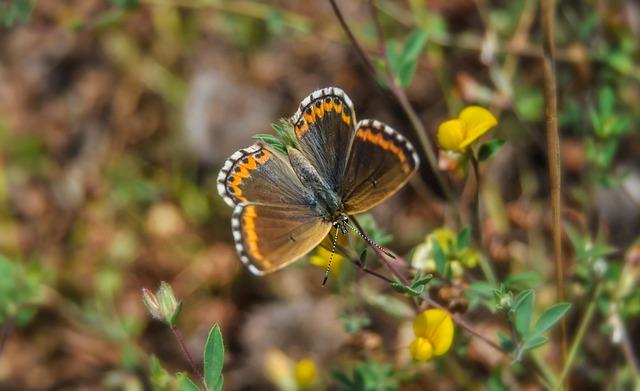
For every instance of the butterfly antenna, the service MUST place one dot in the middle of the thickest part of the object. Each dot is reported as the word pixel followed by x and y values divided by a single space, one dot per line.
pixel 371 242
pixel 333 251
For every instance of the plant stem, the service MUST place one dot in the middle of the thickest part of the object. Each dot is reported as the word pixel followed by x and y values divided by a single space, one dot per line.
pixel 457 318
pixel 553 145
pixel 402 99
pixel 178 335
pixel 6 330
pixel 475 215
pixel 577 340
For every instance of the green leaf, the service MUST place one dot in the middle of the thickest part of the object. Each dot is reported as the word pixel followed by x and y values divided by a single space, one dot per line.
pixel 415 44
pixel 523 308
pixel 440 258
pixel 411 291
pixel 272 140
pixel 419 280
pixel 532 343
pixel 505 342
pixel 550 317
pixel 464 238
pixel 363 257
pixel 185 383
pixel 213 358
pixel 404 67
pixel 489 149
pixel 522 279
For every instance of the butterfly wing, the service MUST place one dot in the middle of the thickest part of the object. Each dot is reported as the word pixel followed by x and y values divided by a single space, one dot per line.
pixel 269 237
pixel 323 129
pixel 260 174
pixel 381 161
pixel 272 222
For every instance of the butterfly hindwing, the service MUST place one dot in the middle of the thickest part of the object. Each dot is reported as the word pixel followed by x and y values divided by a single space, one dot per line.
pixel 323 129
pixel 380 163
pixel 269 237
pixel 260 174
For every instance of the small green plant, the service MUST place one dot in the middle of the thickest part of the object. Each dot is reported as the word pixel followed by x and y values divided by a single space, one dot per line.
pixel 163 306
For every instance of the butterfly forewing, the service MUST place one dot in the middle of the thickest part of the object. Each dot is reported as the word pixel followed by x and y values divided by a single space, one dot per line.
pixel 323 129
pixel 269 237
pixel 381 161
pixel 260 174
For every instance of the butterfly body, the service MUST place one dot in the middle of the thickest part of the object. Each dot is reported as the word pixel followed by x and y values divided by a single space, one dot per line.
pixel 286 203
pixel 324 200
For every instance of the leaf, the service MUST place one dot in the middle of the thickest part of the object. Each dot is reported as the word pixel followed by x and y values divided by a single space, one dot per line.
pixel 505 342
pixel 550 317
pixel 489 149
pixel 420 280
pixel 272 141
pixel 440 258
pixel 523 308
pixel 415 44
pixel 464 238
pixel 219 384
pixel 525 278
pixel 409 57
pixel 213 358
pixel 532 343
pixel 185 383
pixel 411 291
pixel 363 258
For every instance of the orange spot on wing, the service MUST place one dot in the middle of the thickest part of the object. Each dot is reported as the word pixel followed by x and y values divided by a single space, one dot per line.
pixel 378 139
pixel 346 118
pixel 318 111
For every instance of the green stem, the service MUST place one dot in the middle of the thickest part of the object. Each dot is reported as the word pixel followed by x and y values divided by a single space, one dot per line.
pixel 582 329
pixel 475 213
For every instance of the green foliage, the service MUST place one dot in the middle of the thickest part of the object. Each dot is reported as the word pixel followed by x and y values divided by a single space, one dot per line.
pixel 356 322
pixel 403 60
pixel 15 11
pixel 20 291
pixel 490 148
pixel 214 360
pixel 127 4
pixel 367 376
pixel 282 139
pixel 416 288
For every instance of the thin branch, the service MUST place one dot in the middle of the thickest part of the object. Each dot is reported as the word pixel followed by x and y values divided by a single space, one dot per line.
pixel 475 213
pixel 185 352
pixel 553 145
pixel 577 340
pixel 6 330
pixel 401 97
pixel 361 53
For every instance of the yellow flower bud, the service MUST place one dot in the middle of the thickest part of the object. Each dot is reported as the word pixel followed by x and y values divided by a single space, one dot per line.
pixel 321 259
pixel 436 326
pixel 457 134
pixel 305 373
pixel 421 349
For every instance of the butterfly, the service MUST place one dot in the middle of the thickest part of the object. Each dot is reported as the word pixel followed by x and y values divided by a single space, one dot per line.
pixel 285 204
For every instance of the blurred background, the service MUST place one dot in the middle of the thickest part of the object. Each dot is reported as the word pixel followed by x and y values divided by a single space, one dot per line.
pixel 116 115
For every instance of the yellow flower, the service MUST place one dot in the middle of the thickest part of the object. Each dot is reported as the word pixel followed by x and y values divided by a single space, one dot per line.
pixel 458 133
pixel 434 334
pixel 423 258
pixel 305 373
pixel 321 259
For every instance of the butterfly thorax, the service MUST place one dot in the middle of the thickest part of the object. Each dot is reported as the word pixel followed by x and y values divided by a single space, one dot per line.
pixel 325 201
